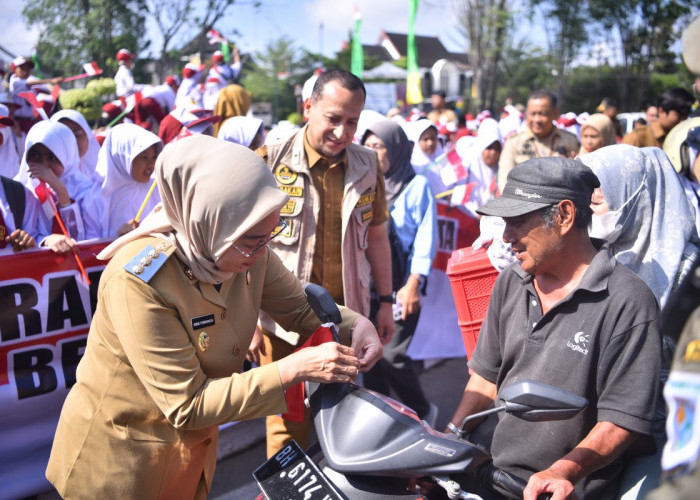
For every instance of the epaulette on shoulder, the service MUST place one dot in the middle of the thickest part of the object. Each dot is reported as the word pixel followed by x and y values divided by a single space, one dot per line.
pixel 148 261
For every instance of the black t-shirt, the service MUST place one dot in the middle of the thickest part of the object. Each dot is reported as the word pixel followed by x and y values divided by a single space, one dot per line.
pixel 600 342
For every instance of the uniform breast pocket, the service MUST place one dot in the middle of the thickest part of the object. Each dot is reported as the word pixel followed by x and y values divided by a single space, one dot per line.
pixel 360 220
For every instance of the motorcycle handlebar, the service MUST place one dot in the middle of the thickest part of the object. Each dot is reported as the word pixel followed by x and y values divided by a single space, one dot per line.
pixel 507 482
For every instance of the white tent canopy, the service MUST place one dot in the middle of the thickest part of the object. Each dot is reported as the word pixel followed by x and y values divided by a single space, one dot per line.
pixel 385 70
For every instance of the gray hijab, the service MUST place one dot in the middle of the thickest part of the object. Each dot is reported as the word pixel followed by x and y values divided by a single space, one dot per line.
pixel 656 227
pixel 399 150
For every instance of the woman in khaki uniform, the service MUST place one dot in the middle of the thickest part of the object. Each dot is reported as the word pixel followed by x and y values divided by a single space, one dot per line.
pixel 177 308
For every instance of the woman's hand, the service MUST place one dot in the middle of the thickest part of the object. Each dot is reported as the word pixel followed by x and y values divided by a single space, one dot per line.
pixel 256 349
pixel 20 240
pixel 325 363
pixel 365 341
pixel 46 174
pixel 127 227
pixel 59 243
pixel 409 295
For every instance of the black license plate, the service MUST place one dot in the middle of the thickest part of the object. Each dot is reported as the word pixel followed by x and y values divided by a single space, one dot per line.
pixel 290 475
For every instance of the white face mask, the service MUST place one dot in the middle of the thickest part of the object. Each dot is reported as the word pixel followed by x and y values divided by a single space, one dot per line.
pixel 607 226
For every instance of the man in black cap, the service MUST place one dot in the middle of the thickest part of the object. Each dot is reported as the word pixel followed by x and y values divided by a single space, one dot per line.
pixel 569 315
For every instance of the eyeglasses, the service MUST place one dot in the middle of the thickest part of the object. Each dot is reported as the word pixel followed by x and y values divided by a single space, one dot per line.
pixel 283 225
pixel 375 146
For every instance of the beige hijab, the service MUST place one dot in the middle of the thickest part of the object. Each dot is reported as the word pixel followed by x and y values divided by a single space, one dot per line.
pixel 604 126
pixel 213 192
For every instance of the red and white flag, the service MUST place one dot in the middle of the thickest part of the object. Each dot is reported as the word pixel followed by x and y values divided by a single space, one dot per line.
pixel 450 167
pixel 462 193
pixel 91 69
pixel 215 37
pixel 31 98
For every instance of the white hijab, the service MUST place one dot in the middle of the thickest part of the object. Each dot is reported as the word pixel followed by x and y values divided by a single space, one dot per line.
pixel 89 160
pixel 240 129
pixel 120 197
pixel 60 140
pixel 9 158
pixel 479 173
pixel 213 192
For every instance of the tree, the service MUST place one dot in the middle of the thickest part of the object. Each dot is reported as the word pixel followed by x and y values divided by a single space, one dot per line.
pixel 566 34
pixel 275 74
pixel 646 29
pixel 75 32
pixel 484 24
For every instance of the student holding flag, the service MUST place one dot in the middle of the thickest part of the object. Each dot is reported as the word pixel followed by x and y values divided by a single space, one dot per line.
pixel 22 81
pixel 49 169
pixel 126 161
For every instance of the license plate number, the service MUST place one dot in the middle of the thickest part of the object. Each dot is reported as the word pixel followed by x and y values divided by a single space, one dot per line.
pixel 290 475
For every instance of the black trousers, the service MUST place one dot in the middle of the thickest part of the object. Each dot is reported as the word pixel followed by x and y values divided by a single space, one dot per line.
pixel 395 371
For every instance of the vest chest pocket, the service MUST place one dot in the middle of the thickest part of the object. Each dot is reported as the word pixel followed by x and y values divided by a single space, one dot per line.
pixel 359 221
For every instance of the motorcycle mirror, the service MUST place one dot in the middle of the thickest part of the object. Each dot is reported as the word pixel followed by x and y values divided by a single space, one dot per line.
pixel 322 303
pixel 538 402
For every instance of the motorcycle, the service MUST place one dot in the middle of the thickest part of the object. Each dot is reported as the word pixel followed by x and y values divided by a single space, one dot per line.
pixel 372 447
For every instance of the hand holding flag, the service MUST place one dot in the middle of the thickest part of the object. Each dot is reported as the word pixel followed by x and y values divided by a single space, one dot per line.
pixel 44 195
pixel 91 69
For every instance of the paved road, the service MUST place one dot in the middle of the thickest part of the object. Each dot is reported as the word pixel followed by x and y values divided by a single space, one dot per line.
pixel 442 382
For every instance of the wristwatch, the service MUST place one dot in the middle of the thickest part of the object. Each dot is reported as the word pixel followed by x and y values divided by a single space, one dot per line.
pixel 389 299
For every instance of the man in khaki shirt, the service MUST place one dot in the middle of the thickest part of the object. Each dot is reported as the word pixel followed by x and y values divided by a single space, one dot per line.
pixel 337 214
pixel 540 139
pixel 674 107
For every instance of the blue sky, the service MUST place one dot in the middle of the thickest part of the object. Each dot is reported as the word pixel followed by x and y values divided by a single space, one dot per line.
pixel 299 19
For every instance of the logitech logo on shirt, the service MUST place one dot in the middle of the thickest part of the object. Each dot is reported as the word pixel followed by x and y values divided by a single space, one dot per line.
pixel 580 343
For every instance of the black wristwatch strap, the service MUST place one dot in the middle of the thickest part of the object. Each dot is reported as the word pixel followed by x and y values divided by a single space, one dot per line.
pixel 386 298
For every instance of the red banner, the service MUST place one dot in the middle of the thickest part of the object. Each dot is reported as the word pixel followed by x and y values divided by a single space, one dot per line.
pixel 45 313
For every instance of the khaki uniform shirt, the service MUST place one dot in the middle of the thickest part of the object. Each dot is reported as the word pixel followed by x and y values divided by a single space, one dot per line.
pixel 525 145
pixel 646 135
pixel 328 230
pixel 161 372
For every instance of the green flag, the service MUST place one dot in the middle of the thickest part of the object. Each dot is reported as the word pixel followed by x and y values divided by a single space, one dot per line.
pixel 357 64
pixel 413 92
pixel 225 51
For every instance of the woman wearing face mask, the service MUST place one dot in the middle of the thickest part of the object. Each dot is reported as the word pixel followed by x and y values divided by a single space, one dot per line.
pixel 178 304
pixel 642 211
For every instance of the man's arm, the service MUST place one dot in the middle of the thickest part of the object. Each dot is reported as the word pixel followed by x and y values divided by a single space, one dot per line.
pixel 478 395
pixel 379 257
pixel 602 445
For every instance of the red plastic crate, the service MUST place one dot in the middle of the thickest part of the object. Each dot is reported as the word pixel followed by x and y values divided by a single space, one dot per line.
pixel 472 277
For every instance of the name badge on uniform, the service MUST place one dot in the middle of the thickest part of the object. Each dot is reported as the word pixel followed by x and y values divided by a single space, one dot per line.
pixel 367 198
pixel 367 215
pixel 202 321
pixel 293 191
pixel 288 207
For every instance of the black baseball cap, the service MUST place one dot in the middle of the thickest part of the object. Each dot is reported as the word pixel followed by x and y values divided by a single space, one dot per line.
pixel 541 182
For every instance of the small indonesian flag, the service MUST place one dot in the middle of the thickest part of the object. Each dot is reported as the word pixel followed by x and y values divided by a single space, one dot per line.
pixel 462 193
pixel 215 37
pixel 131 101
pixel 31 98
pixel 451 168
pixel 92 68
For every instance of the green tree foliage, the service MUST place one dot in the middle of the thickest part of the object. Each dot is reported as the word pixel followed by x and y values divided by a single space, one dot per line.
pixel 646 30
pixel 74 32
pixel 281 57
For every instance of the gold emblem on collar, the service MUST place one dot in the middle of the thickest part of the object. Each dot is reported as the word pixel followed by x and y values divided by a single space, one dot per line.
pixel 285 175
pixel 204 341
pixel 189 273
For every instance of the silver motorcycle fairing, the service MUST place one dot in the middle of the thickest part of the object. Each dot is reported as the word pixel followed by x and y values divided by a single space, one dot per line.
pixel 363 432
